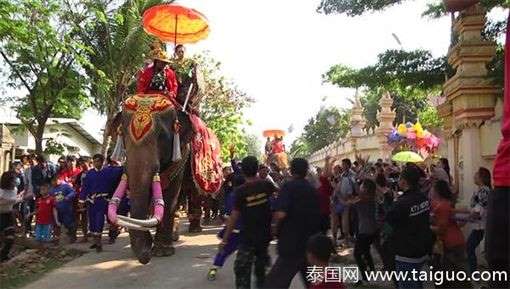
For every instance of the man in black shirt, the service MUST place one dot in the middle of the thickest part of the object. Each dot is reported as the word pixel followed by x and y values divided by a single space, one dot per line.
pixel 252 205
pixel 412 238
pixel 297 217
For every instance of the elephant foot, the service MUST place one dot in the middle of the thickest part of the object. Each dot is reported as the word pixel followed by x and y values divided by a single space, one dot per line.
pixel 194 226
pixel 144 258
pixel 175 236
pixel 163 251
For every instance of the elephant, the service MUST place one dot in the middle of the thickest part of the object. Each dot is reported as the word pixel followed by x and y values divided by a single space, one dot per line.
pixel 148 125
pixel 147 158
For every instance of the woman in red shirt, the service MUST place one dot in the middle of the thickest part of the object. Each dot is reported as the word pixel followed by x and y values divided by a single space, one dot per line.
pixel 325 191
pixel 448 234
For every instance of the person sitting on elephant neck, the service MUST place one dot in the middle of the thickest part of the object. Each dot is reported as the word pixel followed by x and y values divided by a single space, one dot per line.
pixel 159 77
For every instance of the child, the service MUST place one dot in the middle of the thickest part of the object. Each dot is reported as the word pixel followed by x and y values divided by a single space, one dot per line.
pixel 318 251
pixel 8 199
pixel 46 214
pixel 367 226
pixel 448 232
pixel 64 196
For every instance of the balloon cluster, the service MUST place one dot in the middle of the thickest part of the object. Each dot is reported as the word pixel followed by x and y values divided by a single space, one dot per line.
pixel 414 137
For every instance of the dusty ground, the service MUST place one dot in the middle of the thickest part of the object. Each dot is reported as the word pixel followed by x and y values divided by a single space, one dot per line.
pixel 115 267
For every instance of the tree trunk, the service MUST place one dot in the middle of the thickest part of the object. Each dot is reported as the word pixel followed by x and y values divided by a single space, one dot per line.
pixel 38 136
pixel 107 134
pixel 106 138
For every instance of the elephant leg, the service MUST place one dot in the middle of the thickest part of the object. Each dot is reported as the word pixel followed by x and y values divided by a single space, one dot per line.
pixel 175 229
pixel 194 209
pixel 163 242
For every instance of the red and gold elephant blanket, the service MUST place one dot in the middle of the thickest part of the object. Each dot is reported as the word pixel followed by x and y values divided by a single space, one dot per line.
pixel 205 147
pixel 206 161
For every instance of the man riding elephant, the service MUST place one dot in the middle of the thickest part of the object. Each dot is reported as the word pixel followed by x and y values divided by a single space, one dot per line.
pixel 158 77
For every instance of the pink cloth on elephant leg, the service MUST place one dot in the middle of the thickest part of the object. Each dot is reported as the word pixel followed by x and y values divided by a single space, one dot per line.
pixel 157 194
pixel 120 192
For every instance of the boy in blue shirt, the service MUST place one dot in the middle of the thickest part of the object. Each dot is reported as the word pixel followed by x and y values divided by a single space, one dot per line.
pixel 64 196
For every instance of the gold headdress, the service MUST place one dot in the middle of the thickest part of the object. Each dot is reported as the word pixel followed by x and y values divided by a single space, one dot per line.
pixel 157 52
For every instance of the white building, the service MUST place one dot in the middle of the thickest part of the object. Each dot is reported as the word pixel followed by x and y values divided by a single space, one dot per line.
pixel 68 132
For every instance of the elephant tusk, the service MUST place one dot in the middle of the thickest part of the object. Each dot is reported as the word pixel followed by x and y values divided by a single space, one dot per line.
pixel 152 222
pixel 132 226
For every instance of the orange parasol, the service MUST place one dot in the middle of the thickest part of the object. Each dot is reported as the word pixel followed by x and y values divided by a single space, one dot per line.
pixel 273 132
pixel 175 23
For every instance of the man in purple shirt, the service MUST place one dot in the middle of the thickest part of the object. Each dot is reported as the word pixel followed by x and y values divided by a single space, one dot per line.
pixel 97 187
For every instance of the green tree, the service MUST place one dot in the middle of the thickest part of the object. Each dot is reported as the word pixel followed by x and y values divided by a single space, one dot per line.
pixel 44 60
pixel 222 106
pixel 299 149
pixel 118 46
pixel 411 77
pixel 429 118
pixel 253 145
pixel 327 126
pixel 359 7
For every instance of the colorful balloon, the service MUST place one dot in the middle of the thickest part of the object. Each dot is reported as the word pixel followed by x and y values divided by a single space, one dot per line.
pixel 419 130
pixel 411 134
pixel 402 129
pixel 394 137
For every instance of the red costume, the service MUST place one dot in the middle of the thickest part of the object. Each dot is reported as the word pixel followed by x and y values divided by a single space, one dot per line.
pixel 502 162
pixel 145 78
pixel 69 176
pixel 278 147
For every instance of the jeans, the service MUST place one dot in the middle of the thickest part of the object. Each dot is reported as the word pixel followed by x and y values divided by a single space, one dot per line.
pixel 401 266
pixel 472 243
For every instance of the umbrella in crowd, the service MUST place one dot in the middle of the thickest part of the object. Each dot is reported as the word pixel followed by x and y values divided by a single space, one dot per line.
pixel 407 157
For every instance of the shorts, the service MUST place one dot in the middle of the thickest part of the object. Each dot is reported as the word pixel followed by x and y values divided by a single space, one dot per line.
pixel 43 232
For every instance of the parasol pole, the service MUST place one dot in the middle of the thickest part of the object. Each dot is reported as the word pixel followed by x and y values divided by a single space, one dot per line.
pixel 187 97
pixel 175 33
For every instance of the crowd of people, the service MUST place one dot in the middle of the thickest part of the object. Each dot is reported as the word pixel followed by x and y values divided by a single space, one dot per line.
pixel 65 196
pixel 408 213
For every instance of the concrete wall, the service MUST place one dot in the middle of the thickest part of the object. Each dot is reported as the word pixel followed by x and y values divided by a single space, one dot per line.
pixel 367 145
